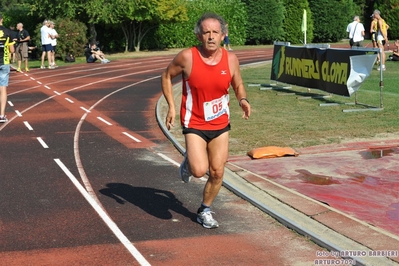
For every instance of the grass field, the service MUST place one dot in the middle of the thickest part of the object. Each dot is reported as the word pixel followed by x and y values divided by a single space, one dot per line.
pixel 281 118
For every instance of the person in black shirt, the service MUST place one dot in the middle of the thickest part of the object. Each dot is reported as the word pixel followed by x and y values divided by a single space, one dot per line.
pixel 22 47
pixel 93 53
pixel 14 38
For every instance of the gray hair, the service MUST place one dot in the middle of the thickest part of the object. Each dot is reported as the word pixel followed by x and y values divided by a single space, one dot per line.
pixel 355 18
pixel 210 15
pixel 377 12
pixel 45 21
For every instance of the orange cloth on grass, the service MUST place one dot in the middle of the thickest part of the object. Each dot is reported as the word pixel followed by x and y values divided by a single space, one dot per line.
pixel 271 152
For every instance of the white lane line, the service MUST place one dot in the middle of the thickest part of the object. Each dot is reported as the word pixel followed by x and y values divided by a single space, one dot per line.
pixel 42 142
pixel 39 82
pixel 108 221
pixel 103 120
pixel 130 136
pixel 28 125
pixel 84 109
pixel 30 77
pixel 47 87
pixel 69 100
pixel 18 113
pixel 10 103
pixel 168 159
pixel 56 92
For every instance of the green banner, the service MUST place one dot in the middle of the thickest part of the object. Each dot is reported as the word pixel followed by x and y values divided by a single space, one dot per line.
pixel 337 71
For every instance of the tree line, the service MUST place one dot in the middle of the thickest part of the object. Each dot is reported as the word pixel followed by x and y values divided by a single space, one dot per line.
pixel 134 25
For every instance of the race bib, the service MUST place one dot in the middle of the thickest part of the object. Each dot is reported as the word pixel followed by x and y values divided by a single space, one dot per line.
pixel 216 108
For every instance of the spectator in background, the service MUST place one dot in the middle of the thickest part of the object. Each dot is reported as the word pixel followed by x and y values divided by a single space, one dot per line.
pixel 7 48
pixel 46 44
pixel 93 53
pixel 373 30
pixel 395 51
pixel 21 53
pixel 356 32
pixel 53 37
pixel 226 40
pixel 14 38
pixel 382 36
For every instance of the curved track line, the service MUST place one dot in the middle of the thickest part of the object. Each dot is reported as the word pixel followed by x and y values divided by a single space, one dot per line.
pixel 79 77
pixel 78 161
pixel 73 89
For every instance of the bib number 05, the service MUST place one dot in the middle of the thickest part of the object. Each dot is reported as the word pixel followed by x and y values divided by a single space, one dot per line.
pixel 216 108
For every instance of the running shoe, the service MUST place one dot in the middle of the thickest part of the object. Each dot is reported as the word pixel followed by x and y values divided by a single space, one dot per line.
pixel 42 67
pixel 19 70
pixel 3 119
pixel 383 68
pixel 205 218
pixel 51 67
pixel 26 69
pixel 185 173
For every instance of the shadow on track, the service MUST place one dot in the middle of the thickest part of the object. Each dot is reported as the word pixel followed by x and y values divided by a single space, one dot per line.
pixel 155 202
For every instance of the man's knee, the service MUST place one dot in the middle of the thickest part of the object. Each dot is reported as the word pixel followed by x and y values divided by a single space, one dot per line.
pixel 197 170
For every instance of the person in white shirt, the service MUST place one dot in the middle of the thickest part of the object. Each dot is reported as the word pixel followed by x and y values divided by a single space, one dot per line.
pixel 356 32
pixel 53 37
pixel 46 44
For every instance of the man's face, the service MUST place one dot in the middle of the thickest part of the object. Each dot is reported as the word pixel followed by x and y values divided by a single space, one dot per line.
pixel 211 34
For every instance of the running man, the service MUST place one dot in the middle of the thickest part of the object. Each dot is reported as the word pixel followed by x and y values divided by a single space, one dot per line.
pixel 208 71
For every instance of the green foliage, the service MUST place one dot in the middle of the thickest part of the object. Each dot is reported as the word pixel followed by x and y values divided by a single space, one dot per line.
pixel 72 36
pixel 158 24
pixel 136 17
pixel 56 8
pixel 293 21
pixel 265 21
pixel 180 34
pixel 331 17
pixel 20 13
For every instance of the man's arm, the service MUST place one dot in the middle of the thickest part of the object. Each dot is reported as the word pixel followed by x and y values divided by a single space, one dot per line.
pixel 238 85
pixel 176 67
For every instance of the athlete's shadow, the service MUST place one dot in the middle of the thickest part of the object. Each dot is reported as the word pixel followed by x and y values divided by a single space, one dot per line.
pixel 156 202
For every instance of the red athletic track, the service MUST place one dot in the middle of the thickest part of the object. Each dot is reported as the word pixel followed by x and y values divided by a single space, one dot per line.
pixel 99 122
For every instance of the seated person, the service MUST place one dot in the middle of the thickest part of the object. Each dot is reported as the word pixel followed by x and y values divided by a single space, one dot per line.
pixel 395 54
pixel 93 53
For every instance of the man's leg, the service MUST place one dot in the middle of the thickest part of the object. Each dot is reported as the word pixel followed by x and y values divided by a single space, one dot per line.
pixel 382 62
pixel 3 100
pixel 49 58
pixel 218 149
pixel 43 56
pixel 201 157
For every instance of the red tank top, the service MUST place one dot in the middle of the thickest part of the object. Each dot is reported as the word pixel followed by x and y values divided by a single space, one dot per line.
pixel 205 97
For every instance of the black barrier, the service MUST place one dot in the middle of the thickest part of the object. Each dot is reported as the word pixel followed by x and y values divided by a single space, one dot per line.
pixel 319 68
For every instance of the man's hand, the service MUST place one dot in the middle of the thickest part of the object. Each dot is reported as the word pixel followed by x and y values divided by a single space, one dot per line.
pixel 246 107
pixel 170 119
